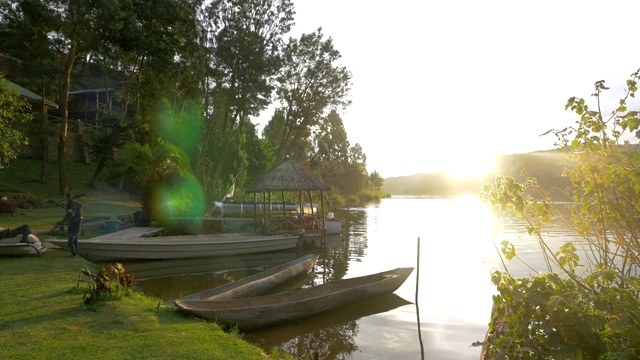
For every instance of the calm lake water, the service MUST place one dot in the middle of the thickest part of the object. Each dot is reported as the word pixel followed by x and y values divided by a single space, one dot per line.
pixel 456 241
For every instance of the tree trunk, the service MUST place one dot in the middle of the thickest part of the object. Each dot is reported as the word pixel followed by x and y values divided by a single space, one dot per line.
pixel 64 121
pixel 44 138
pixel 82 151
pixel 63 131
pixel 115 134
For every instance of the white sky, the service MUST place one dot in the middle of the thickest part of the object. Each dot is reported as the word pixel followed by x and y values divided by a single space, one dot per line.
pixel 436 81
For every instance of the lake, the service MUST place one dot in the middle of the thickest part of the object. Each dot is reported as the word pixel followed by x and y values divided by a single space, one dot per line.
pixel 456 240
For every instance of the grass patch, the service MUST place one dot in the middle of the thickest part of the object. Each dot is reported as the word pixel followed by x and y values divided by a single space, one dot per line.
pixel 42 316
pixel 100 202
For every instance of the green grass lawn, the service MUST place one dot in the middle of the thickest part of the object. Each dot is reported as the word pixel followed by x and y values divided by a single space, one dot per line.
pixel 42 316
pixel 100 202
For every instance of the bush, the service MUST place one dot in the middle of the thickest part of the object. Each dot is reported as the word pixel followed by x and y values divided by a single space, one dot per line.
pixel 29 200
pixel 594 313
pixel 8 207
pixel 111 282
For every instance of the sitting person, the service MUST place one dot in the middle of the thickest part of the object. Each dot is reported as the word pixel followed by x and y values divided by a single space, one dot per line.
pixel 23 230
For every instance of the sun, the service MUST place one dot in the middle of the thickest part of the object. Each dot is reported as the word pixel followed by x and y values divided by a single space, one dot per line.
pixel 470 165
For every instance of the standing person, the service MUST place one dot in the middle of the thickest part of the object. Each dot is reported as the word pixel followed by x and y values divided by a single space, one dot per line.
pixel 75 217
pixel 68 209
pixel 69 195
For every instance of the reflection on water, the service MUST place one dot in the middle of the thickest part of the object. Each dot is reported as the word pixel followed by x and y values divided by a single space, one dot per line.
pixel 458 240
pixel 328 336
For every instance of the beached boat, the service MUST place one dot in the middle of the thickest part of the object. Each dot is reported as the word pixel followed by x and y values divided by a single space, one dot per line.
pixel 262 311
pixel 116 248
pixel 259 283
pixel 13 246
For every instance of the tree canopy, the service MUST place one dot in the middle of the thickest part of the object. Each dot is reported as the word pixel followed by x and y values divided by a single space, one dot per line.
pixel 193 74
pixel 13 110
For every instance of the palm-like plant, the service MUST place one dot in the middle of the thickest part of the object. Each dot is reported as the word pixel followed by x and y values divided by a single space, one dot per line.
pixel 147 167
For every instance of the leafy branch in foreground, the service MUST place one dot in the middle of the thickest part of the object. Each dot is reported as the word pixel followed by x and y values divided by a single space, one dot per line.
pixel 561 313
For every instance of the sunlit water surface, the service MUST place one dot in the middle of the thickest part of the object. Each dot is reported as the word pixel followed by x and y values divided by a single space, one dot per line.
pixel 456 240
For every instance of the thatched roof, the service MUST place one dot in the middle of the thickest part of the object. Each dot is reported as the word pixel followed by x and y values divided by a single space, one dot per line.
pixel 288 175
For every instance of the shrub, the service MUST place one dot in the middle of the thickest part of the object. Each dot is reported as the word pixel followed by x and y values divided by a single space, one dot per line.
pixel 8 207
pixel 111 282
pixel 594 313
pixel 29 200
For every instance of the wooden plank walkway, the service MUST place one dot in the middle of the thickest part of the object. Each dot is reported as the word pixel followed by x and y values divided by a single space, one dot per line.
pixel 130 233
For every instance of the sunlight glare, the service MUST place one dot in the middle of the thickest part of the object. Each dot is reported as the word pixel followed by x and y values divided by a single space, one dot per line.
pixel 470 164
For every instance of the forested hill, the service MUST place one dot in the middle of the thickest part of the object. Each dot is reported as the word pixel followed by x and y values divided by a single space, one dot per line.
pixel 546 166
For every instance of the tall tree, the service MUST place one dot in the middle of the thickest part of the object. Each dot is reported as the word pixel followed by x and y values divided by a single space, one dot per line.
pixel 330 154
pixel 74 17
pixel 355 176
pixel 25 27
pixel 309 85
pixel 244 39
pixel 376 180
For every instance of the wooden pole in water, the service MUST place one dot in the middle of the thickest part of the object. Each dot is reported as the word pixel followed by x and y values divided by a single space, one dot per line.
pixel 417 307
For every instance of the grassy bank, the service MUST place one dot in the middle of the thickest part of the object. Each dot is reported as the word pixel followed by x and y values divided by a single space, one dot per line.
pixel 100 201
pixel 42 316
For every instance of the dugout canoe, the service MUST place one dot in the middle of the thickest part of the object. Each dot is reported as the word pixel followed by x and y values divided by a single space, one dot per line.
pixel 261 311
pixel 259 283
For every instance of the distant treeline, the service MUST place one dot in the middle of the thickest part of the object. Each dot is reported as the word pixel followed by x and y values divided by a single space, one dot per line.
pixel 545 166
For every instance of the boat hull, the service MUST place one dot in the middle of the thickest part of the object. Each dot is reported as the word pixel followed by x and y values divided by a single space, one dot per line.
pixel 262 311
pixel 13 246
pixel 259 283
pixel 179 247
pixel 21 249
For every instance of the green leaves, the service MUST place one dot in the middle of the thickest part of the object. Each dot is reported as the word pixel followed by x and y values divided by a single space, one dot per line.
pixel 508 250
pixel 308 86
pixel 13 110
pixel 594 314
pixel 110 283
pixel 550 317
pixel 567 256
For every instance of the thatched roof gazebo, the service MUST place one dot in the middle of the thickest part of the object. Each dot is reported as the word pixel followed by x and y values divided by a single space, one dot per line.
pixel 290 176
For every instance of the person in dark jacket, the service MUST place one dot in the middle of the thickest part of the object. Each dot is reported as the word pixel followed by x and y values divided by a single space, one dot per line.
pixel 23 230
pixel 75 217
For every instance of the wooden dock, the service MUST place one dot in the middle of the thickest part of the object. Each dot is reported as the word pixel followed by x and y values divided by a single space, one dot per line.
pixel 130 233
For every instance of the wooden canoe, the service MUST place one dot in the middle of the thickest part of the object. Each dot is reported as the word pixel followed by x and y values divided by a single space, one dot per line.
pixel 259 283
pixel 262 311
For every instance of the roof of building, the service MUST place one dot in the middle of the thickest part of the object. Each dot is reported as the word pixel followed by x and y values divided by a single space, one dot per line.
pixel 90 91
pixel 30 95
pixel 288 175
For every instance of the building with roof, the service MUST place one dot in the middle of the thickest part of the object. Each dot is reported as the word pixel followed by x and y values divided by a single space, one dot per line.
pixel 34 99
